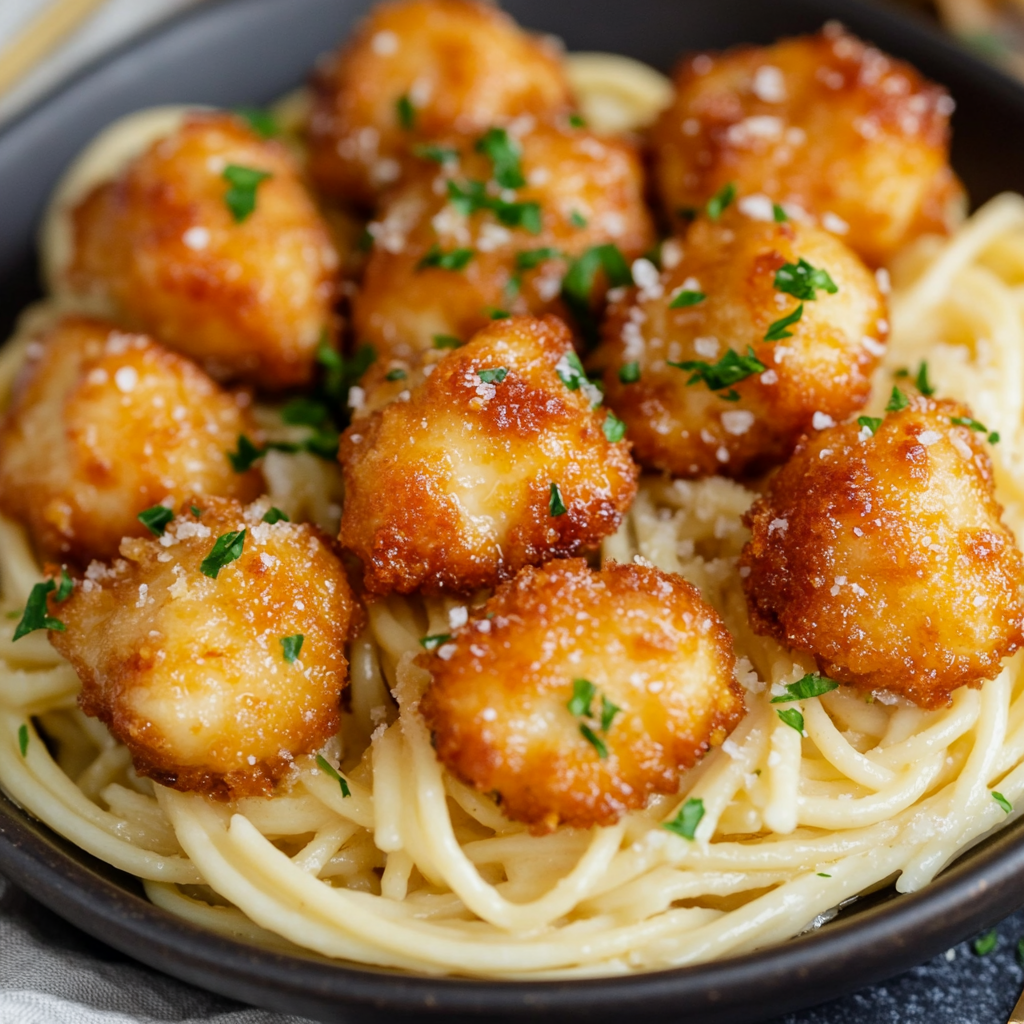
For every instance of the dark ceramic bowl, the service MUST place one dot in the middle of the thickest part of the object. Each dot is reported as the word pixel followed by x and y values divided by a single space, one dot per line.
pixel 250 51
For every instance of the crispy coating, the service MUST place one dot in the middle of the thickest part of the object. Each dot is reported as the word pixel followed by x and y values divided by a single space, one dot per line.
pixel 823 124
pixel 105 424
pixel 189 672
pixel 884 556
pixel 463 65
pixel 498 702
pixel 818 375
pixel 590 191
pixel 247 299
pixel 451 490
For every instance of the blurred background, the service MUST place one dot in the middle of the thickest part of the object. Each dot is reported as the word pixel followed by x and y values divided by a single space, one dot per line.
pixel 42 41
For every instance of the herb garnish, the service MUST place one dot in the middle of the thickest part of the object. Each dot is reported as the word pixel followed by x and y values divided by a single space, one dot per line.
pixel 729 370
pixel 240 198
pixel 261 121
pixel 226 549
pixel 686 821
pixel 966 421
pixel 686 298
pixel 274 515
pixel 23 738
pixel 195 510
pixel 577 121
pixel 504 153
pixel 608 713
pixel 556 507
pixel 36 609
pixel 811 685
pixel 290 647
pixel 583 694
pixel 577 220
pixel 793 719
pixel 803 281
pixel 629 373
pixel 432 642
pixel 325 766
pixel 921 381
pixel 493 376
pixel 1002 801
pixel 614 429
pixel 473 196
pixel 779 214
pixel 984 944
pixel 155 519
pixel 245 455
pixel 455 259
pixel 530 258
pixel 821 874
pixel 447 341
pixel 306 412
pixel 594 740
pixel 406 112
pixel 871 423
pixel 439 154
pixel 396 374
pixel 572 375
pixel 578 283
pixel 897 400
pixel 497 314
pixel 777 328
pixel 342 373
pixel 718 203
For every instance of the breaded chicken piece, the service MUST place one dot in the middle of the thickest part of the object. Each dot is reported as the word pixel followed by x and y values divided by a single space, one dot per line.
pixel 436 271
pixel 105 424
pixel 416 70
pixel 191 244
pixel 501 458
pixel 822 124
pixel 687 361
pixel 214 678
pixel 884 556
pixel 574 695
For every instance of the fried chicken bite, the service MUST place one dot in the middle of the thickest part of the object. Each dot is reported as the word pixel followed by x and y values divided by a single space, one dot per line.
pixel 458 243
pixel 210 242
pixel 574 695
pixel 215 652
pixel 823 124
pixel 880 551
pixel 758 333
pixel 105 424
pixel 499 459
pixel 416 70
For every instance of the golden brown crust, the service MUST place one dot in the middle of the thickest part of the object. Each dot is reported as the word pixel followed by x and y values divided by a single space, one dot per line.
pixel 105 424
pixel 821 122
pixel 465 66
pixel 450 490
pixel 821 373
pixel 569 171
pixel 497 704
pixel 189 672
pixel 248 300
pixel 886 559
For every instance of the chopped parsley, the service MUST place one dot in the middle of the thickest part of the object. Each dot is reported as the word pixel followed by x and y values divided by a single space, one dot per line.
pixel 530 258
pixel 342 373
pixel 240 198
pixel 984 944
pixel 364 243
pixel 966 421
pixel 325 766
pixel 243 458
pixel 455 259
pixel 23 738
pixel 871 423
pixel 432 642
pixel 821 874
pixel 777 328
pixel 573 376
pixel 226 549
pixel 504 153
pixel 67 584
pixel 686 821
pixel 729 370
pixel 686 298
pixel 556 507
pixel 274 515
pixel 629 373
pixel 36 614
pixel 195 510
pixel 583 693
pixel 718 203
pixel 473 196
pixel 793 719
pixel 897 400
pixel 810 686
pixel 614 429
pixel 306 412
pixel 290 647
pixel 447 341
pixel 687 213
pixel 322 442
pixel 155 519
pixel 406 112
pixel 577 121
pixel 578 283
pixel 439 154
pixel 779 214
pixel 498 314
pixel 803 281
pixel 493 376
pixel 1002 801
pixel 608 713
pixel 577 220
pixel 594 740
pixel 921 381
pixel 396 374
pixel 261 121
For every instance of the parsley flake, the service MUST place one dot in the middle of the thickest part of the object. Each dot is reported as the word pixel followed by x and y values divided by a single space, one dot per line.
pixel 274 515
pixel 504 153
pixel 793 719
pixel 966 421
pixel 432 642
pixel 1002 801
pixel 779 214
pixel 455 259
pixel 556 507
pixel 614 429
pixel 406 112
pixel 686 821
pixel 577 121
pixel 67 584
pixel 240 198
pixel 447 341
pixel 261 121
pixel 473 196
pixel 23 738
pixel 594 740
pixel 803 281
pixel 290 647
pixel 608 713
pixel 583 693
pixel 810 686
pixel 686 298
pixel 821 874
pixel 498 314
pixel 325 766
pixel 578 283
pixel 396 374
pixel 439 154
pixel 777 328
pixel 195 510
pixel 226 549
pixel 570 371
pixel 871 423
pixel 577 220
pixel 718 203
pixel 530 258
pixel 897 400
pixel 629 373
pixel 921 381
pixel 155 519
pixel 245 455
pixel 306 412
pixel 984 944
pixel 36 611
pixel 493 376
pixel 729 370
